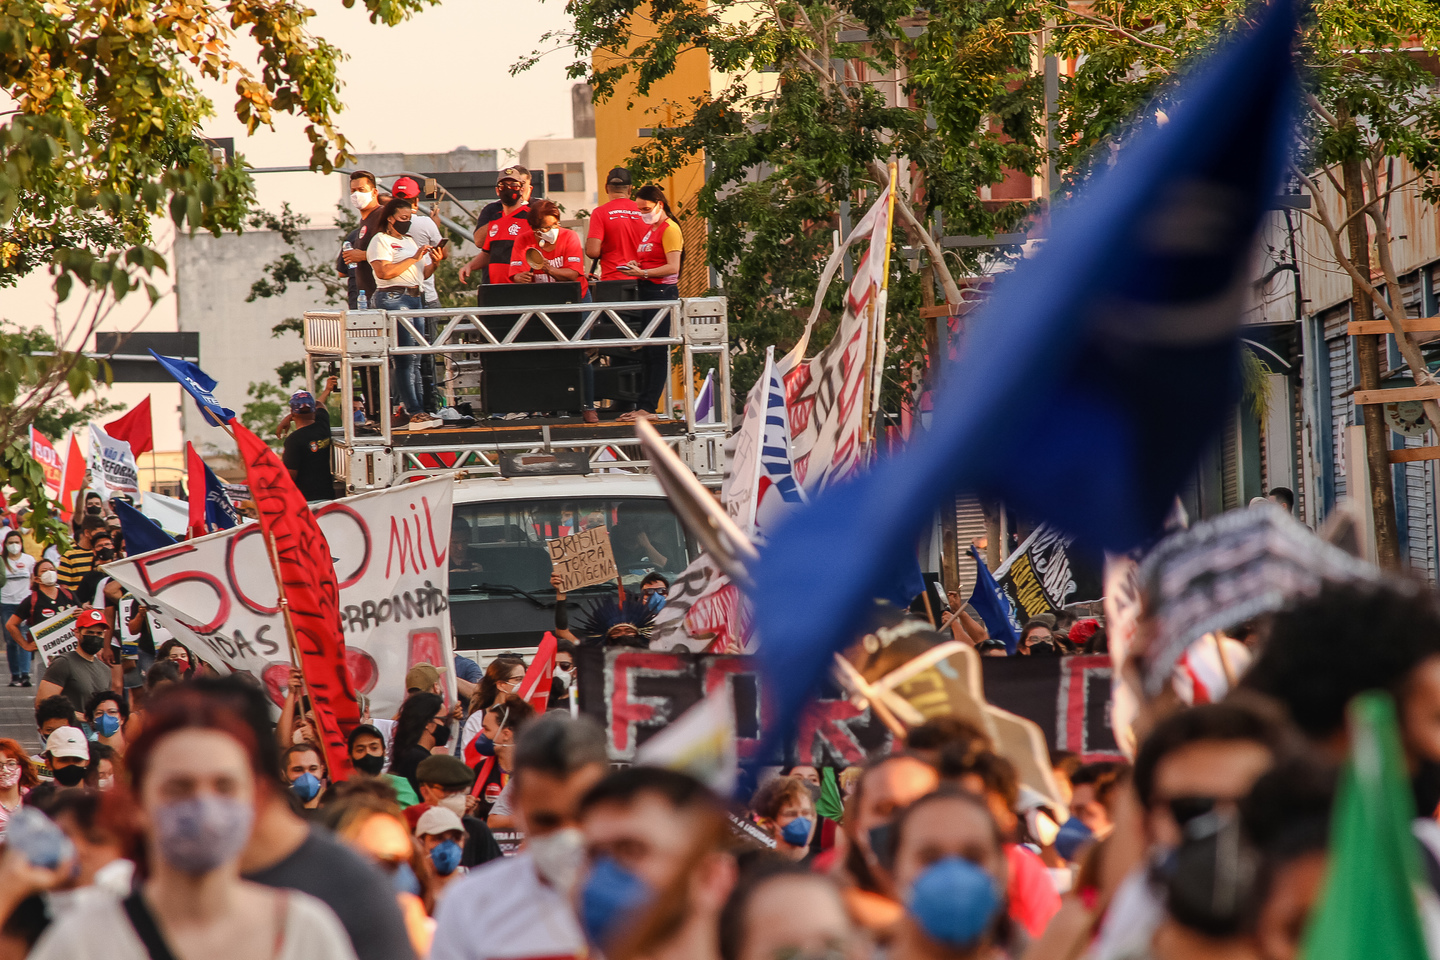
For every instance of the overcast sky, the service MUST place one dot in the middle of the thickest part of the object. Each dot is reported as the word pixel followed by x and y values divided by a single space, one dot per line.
pixel 439 81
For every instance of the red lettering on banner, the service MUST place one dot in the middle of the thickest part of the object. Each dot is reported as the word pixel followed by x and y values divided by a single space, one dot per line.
pixel 155 586
pixel 309 594
pixel 437 555
pixel 252 605
pixel 625 709
pixel 824 719
pixel 354 515
pixel 411 552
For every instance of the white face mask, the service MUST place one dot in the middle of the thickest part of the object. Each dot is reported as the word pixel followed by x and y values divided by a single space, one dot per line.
pixel 13 548
pixel 558 857
pixel 105 783
pixel 455 803
pixel 652 215
pixel 49 578
pixel 550 236
pixel 361 199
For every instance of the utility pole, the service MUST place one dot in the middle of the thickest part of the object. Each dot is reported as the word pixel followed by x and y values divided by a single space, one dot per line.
pixel 1367 360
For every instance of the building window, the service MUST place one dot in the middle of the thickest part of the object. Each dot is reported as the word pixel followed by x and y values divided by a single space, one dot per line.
pixel 565 178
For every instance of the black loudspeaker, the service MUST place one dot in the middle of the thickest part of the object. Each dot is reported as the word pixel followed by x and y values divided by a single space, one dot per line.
pixel 538 382
pixel 619 381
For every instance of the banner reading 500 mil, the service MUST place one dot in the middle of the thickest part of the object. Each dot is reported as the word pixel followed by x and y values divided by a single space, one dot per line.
pixel 391 554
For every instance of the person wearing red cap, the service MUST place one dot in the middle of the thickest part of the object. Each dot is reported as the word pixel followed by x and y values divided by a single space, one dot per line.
pixel 79 673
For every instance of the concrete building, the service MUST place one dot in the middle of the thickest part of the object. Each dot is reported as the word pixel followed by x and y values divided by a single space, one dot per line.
pixel 213 276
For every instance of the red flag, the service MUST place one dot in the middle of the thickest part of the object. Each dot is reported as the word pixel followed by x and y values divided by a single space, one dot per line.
pixel 135 428
pixel 74 479
pixel 534 689
pixel 308 593
pixel 195 485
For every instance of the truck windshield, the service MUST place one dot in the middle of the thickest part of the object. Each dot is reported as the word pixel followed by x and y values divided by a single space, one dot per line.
pixel 498 548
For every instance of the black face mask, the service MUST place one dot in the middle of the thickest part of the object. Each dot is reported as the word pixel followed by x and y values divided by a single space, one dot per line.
pixel 70 776
pixel 509 197
pixel 92 511
pixel 92 643
pixel 442 736
pixel 370 764
pixel 402 227
pixel 104 556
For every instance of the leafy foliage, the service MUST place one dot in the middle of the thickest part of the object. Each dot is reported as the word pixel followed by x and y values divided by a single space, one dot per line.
pixel 39 389
pixel 785 154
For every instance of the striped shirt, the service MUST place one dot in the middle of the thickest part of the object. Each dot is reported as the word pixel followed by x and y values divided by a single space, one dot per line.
pixel 74 564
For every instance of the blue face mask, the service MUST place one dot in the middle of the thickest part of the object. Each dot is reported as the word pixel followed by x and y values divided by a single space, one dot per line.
pixel 107 724
pixel 404 880
pixel 611 900
pixel 484 745
pixel 446 857
pixel 655 601
pixel 954 902
pixel 796 832
pixel 306 786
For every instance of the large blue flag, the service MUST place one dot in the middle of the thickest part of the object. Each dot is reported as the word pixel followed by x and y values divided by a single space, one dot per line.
pixel 140 532
pixel 990 602
pixel 1113 351
pixel 199 385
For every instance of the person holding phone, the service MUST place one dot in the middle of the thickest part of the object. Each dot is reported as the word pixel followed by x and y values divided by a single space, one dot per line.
pixel 656 265
pixel 400 264
pixel 426 233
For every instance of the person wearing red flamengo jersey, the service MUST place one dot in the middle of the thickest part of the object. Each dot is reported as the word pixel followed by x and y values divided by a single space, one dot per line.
pixel 615 227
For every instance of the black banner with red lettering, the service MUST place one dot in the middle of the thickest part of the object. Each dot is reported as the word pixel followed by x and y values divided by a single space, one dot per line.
pixel 636 693
pixel 1069 697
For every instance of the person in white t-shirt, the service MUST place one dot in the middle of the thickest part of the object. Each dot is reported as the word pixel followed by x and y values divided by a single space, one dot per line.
pixel 518 908
pixel 18 567
pixel 400 266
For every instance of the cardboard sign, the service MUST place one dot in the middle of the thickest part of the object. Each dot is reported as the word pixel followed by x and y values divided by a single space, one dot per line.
pixel 112 466
pixel 55 637
pixel 635 694
pixel 583 559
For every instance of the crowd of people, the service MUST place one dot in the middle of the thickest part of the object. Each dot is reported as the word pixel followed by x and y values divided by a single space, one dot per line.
pixel 186 817
pixel 389 262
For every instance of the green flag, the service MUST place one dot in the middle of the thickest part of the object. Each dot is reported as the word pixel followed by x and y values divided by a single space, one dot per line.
pixel 1368 908
pixel 829 805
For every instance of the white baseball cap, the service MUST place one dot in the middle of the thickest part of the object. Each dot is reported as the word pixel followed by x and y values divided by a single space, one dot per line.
pixel 438 820
pixel 68 742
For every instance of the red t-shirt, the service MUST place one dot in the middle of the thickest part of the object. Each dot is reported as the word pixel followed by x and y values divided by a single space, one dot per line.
pixel 500 238
pixel 655 245
pixel 618 227
pixel 1033 900
pixel 566 254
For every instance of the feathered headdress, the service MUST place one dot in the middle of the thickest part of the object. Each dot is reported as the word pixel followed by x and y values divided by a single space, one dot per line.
pixel 607 613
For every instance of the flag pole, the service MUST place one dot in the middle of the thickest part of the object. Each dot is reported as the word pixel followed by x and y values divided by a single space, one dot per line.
pixel 881 300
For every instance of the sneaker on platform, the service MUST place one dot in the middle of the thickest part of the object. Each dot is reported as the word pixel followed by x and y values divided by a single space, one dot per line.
pixel 425 421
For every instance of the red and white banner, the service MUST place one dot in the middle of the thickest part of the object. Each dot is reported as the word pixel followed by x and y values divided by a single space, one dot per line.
pixel 390 551
pixel 48 457
pixel 825 396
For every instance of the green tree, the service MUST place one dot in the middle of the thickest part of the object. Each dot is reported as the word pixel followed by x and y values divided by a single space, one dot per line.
pixel 1369 128
pixel 104 134
pixel 30 393
pixel 783 158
